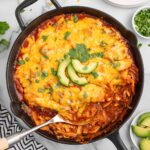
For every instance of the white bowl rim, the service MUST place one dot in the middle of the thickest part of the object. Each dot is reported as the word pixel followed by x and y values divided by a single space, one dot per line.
pixel 130 130
pixel 133 24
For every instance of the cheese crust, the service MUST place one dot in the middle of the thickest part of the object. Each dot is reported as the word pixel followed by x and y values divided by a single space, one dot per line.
pixel 104 100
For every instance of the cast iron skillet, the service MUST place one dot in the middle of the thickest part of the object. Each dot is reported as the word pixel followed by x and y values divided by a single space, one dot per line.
pixel 132 40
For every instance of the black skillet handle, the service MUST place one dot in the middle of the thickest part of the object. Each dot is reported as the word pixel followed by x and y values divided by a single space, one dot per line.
pixel 116 140
pixel 25 4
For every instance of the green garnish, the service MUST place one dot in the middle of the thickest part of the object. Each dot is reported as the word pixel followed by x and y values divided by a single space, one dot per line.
pixel 142 22
pixel 139 45
pixel 75 18
pixel 41 90
pixel 21 62
pixel 94 74
pixel 37 81
pixel 80 52
pixel 44 37
pixel 4 26
pixel 148 45
pixel 102 44
pixel 54 73
pixel 43 53
pixel 66 35
pixel 4 42
pixel 44 75
pixel 98 54
pixel 85 95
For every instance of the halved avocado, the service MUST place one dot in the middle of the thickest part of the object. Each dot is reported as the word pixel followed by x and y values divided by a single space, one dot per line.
pixel 61 72
pixel 145 144
pixel 74 77
pixel 140 131
pixel 145 122
pixel 83 69
pixel 143 116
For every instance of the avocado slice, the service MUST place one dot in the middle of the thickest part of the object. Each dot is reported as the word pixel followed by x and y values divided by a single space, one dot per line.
pixel 143 116
pixel 140 131
pixel 145 144
pixel 61 72
pixel 74 77
pixel 145 122
pixel 83 69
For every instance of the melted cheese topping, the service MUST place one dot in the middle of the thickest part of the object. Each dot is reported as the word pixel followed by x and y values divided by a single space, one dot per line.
pixel 43 50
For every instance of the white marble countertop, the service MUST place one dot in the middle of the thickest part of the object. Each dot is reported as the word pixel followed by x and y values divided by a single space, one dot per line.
pixel 7 13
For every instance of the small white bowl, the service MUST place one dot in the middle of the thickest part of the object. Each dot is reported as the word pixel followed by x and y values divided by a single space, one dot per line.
pixel 133 24
pixel 135 140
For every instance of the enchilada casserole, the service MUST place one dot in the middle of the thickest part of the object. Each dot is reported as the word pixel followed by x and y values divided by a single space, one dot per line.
pixel 80 67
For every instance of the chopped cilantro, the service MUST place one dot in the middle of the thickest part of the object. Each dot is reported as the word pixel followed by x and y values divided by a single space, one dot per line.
pixel 54 73
pixel 21 62
pixel 94 74
pixel 80 52
pixel 4 26
pixel 44 37
pixel 41 90
pixel 75 18
pixel 66 35
pixel 142 22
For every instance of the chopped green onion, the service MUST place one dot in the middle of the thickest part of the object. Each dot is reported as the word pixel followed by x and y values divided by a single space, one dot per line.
pixel 44 75
pixel 75 18
pixel 142 22
pixel 21 62
pixel 66 35
pixel 54 73
pixel 95 74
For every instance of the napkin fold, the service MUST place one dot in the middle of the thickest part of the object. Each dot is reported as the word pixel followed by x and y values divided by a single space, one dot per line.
pixel 9 126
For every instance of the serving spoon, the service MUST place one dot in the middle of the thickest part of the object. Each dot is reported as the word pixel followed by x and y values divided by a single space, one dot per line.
pixel 6 142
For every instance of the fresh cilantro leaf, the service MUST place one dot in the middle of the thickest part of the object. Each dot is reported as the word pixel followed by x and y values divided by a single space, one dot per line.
pixel 54 73
pixel 94 74
pixel 75 18
pixel 3 27
pixel 4 42
pixel 44 37
pixel 66 35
